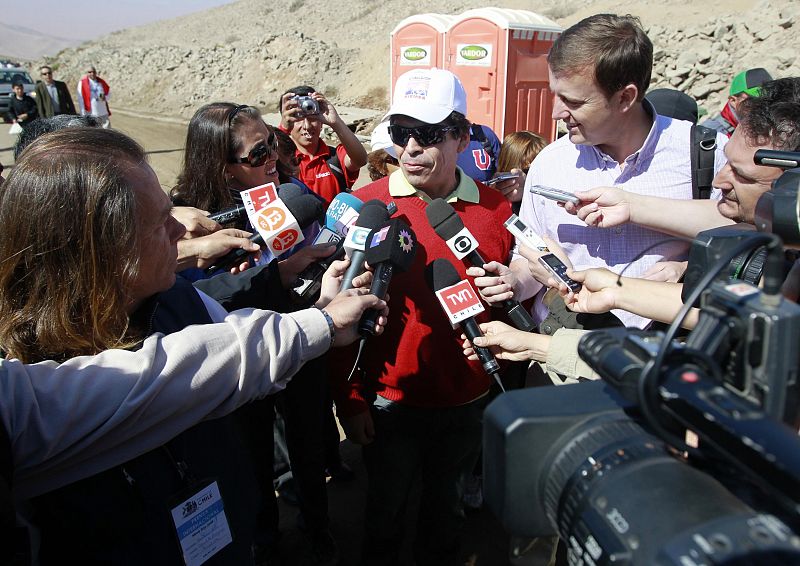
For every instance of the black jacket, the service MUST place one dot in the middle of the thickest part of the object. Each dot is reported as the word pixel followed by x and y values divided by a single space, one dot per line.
pixel 17 107
pixel 44 103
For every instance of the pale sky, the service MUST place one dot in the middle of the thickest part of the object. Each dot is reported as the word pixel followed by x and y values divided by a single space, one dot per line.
pixel 87 19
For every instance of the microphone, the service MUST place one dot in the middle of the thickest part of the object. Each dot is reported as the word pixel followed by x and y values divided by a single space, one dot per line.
pixel 229 214
pixel 461 303
pixel 289 191
pixel 449 226
pixel 285 220
pixel 388 247
pixel 341 214
pixel 373 214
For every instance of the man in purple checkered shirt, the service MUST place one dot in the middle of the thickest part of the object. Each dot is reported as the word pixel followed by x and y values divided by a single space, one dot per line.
pixel 599 72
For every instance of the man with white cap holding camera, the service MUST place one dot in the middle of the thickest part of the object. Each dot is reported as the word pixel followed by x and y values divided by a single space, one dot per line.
pixel 415 405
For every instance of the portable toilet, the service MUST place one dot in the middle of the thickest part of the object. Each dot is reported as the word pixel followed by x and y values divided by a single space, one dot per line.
pixel 501 57
pixel 418 41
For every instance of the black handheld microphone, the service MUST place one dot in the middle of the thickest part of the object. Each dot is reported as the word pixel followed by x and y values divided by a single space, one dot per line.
pixel 373 214
pixel 449 226
pixel 445 276
pixel 229 214
pixel 389 247
pixel 305 208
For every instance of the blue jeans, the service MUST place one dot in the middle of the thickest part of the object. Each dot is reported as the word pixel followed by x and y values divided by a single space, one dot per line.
pixel 438 446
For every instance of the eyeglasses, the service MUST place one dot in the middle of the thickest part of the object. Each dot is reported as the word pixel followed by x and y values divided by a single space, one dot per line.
pixel 425 135
pixel 46 73
pixel 260 152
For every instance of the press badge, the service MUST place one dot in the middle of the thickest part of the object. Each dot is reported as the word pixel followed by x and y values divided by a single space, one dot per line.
pixel 201 525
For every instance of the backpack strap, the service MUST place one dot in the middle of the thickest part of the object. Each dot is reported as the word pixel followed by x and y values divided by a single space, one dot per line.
pixel 704 142
pixel 480 135
pixel 337 170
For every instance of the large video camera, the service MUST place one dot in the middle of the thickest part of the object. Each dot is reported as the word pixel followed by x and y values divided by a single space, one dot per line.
pixel 687 453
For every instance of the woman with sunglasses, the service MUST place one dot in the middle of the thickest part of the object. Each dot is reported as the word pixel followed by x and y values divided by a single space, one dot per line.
pixel 230 149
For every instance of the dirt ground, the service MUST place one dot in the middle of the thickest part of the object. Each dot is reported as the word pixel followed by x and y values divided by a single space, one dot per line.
pixel 485 542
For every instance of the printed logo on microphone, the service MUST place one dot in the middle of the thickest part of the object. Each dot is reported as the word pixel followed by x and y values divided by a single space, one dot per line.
pixel 357 238
pixel 379 236
pixel 462 243
pixel 271 218
pixel 459 301
pixel 406 241
pixel 285 240
pixel 258 197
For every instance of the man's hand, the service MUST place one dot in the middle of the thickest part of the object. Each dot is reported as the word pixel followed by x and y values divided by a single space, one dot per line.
pixel 602 207
pixel 290 111
pixel 512 189
pixel 536 269
pixel 327 113
pixel 598 292
pixel 359 428
pixel 291 267
pixel 346 310
pixel 670 271
pixel 508 343
pixel 497 288
pixel 196 221
pixel 332 281
pixel 201 252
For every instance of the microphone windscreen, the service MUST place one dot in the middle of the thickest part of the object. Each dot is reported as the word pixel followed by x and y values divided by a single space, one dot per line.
pixel 443 219
pixel 305 208
pixel 394 242
pixel 444 274
pixel 343 203
pixel 289 191
pixel 373 214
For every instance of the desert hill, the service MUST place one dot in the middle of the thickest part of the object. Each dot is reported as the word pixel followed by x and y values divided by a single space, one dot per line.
pixel 251 50
pixel 17 42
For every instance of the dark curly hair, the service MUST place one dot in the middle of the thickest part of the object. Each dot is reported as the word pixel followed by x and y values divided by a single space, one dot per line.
pixel 774 116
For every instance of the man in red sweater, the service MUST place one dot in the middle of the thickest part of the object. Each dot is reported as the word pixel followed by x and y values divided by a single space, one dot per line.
pixel 416 404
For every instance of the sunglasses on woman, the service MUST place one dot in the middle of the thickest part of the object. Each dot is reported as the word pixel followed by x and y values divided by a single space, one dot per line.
pixel 425 135
pixel 260 152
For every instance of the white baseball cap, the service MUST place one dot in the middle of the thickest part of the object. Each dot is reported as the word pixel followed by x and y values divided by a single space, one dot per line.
pixel 428 95
pixel 380 139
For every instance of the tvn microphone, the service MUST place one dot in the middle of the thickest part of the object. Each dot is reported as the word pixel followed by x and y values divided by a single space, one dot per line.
pixel 461 303
pixel 388 248
pixel 341 214
pixel 373 214
pixel 305 209
pixel 449 226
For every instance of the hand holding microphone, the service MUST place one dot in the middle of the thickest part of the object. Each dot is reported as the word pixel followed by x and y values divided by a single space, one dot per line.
pixel 461 303
pixel 373 214
pixel 285 220
pixel 449 226
pixel 340 216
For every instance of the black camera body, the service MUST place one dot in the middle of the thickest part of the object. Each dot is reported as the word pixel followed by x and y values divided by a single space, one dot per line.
pixel 679 456
pixel 307 105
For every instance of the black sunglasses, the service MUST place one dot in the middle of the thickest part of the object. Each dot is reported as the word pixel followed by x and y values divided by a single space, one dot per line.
pixel 260 152
pixel 425 135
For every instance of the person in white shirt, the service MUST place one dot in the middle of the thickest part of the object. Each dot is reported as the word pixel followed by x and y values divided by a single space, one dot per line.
pixel 93 95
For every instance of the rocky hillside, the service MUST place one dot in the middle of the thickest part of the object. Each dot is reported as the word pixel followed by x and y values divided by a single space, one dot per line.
pixel 252 50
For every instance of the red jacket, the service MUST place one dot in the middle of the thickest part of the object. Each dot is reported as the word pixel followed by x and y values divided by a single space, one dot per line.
pixel 418 360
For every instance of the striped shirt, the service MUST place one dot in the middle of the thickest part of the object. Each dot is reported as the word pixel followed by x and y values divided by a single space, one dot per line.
pixel 661 167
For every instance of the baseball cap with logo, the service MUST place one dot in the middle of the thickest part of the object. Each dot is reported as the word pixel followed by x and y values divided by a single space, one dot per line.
pixel 750 81
pixel 428 95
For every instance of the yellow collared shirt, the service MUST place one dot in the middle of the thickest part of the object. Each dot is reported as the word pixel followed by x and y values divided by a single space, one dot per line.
pixel 466 190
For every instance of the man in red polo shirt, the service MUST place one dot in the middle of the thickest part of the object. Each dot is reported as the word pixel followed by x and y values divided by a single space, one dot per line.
pixel 326 170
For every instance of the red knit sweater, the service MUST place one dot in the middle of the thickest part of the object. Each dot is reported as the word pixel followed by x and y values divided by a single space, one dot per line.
pixel 418 360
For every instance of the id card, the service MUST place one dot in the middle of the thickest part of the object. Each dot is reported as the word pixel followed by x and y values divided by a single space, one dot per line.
pixel 201 525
